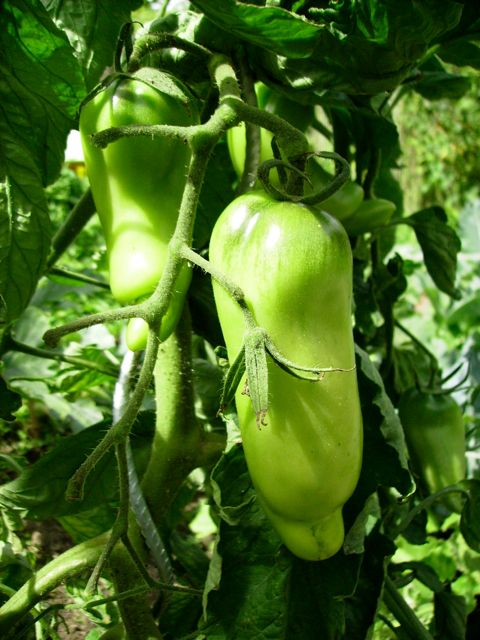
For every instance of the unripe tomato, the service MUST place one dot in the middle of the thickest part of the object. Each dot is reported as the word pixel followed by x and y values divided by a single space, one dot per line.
pixel 435 436
pixel 294 265
pixel 137 185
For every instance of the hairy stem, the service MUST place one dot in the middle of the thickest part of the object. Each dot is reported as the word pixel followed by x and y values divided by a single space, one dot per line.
pixel 136 610
pixel 74 561
pixel 14 345
pixel 177 438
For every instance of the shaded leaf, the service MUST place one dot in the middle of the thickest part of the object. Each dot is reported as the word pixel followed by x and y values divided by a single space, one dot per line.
pixel 10 401
pixel 40 89
pixel 440 246
pixel 450 618
pixel 39 492
pixel 461 53
pixel 271 28
pixel 24 230
pixel 92 28
pixel 384 451
pixel 470 519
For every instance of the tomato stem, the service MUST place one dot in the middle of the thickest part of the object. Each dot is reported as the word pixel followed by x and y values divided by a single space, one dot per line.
pixel 155 41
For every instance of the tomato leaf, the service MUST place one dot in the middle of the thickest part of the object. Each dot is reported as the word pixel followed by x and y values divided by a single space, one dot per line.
pixel 259 589
pixel 272 28
pixel 470 519
pixel 440 246
pixel 10 401
pixel 384 451
pixel 24 230
pixel 232 379
pixel 39 492
pixel 92 29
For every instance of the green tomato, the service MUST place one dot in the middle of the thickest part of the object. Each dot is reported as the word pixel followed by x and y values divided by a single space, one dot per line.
pixel 370 215
pixel 294 265
pixel 137 185
pixel 435 436
pixel 342 203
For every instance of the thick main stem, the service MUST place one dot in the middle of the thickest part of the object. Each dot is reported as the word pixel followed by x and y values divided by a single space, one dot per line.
pixel 136 611
pixel 177 436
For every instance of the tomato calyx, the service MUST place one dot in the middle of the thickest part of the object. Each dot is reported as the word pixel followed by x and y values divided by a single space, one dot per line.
pixel 341 177
pixel 252 360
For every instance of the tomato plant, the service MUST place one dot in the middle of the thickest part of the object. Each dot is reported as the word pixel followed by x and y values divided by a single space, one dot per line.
pixel 244 473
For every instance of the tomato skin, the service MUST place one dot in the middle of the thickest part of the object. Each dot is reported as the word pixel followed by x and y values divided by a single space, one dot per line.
pixel 137 185
pixel 435 436
pixel 294 265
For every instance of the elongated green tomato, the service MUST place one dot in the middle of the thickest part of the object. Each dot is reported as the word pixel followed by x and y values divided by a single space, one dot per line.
pixel 137 185
pixel 370 215
pixel 435 436
pixel 294 265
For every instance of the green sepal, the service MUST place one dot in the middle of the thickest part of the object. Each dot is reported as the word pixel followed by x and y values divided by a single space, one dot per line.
pixel 232 380
pixel 257 372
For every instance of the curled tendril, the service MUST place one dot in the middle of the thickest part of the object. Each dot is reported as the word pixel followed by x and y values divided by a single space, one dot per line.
pixel 278 194
pixel 342 174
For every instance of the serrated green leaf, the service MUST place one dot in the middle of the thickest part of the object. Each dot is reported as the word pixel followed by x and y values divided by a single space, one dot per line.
pixel 257 373
pixel 40 88
pixel 271 28
pixel 450 616
pixel 92 28
pixel 440 246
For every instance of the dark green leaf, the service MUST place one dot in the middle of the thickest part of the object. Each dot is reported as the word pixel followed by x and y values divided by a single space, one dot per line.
pixel 24 228
pixel 435 82
pixel 92 28
pixel 449 622
pixel 247 585
pixel 39 492
pixel 384 451
pixel 372 48
pixel 256 589
pixel 217 192
pixel 271 28
pixel 10 401
pixel 470 519
pixel 40 90
pixel 461 53
pixel 361 606
pixel 440 246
